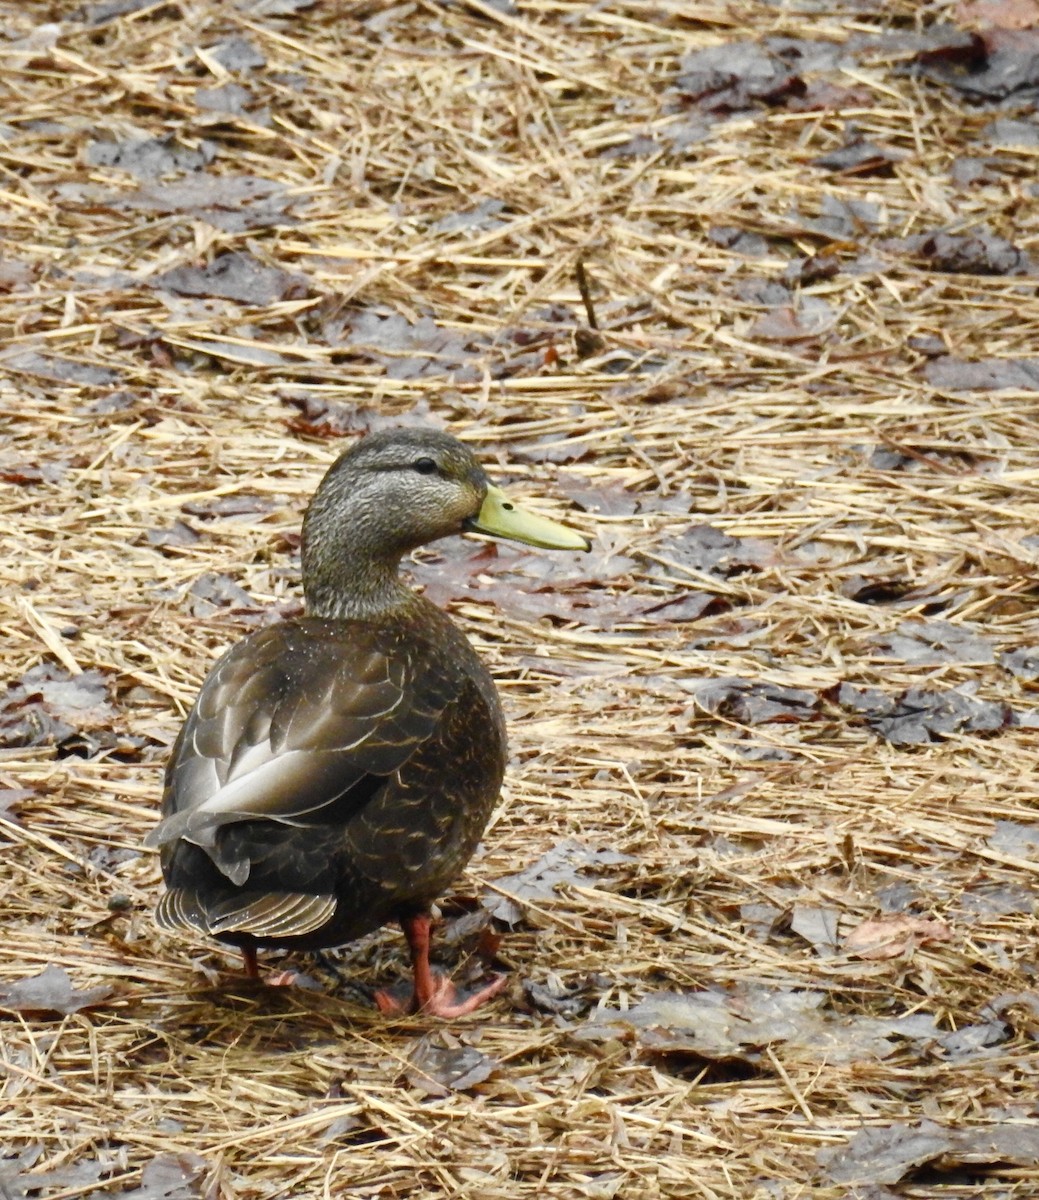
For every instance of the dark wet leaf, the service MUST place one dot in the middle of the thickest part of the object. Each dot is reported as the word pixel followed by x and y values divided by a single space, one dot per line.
pixel 10 800
pixel 276 8
pixel 886 1154
pixel 814 269
pixel 688 606
pixel 635 147
pixel 407 349
pixel 737 76
pixel 483 217
pixel 72 1178
pixel 841 220
pixel 1022 663
pixel 979 253
pixel 169 1176
pixel 230 202
pixel 230 98
pixel 740 241
pixel 989 66
pixel 892 1153
pixel 1011 837
pixel 919 716
pixel 1005 131
pixel 809 318
pixel 995 901
pixel 893 935
pixel 709 551
pixel 760 920
pixel 441 1070
pixel 971 1040
pixel 236 54
pixel 239 505
pixel 179 533
pixel 737 1025
pixel 749 702
pixel 62 370
pixel 932 643
pixel 987 375
pixel 47 706
pixel 555 999
pixel 211 592
pixel 24 474
pixel 109 10
pixel 324 418
pixel 550 450
pixel 612 500
pixel 51 991
pixel 566 863
pixel 16 276
pixel 150 158
pixel 817 925
pixel 860 156
pixel 237 275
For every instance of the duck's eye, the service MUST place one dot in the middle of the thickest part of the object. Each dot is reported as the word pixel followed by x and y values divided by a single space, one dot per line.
pixel 424 466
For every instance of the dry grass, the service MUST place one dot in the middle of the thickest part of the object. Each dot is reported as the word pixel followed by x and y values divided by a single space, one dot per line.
pixel 381 122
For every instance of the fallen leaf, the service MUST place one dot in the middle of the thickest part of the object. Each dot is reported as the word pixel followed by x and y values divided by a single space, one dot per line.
pixel 1012 837
pixel 817 924
pixel 233 203
pixel 52 992
pixel 919 716
pixel 737 75
pixel 889 1154
pixel 1023 662
pixel 749 702
pixel 237 54
pixel 809 318
pixel 566 863
pixel 211 592
pixel 441 1070
pixel 885 1154
pixel 150 157
pixel 169 1176
pixel 892 935
pixel 62 370
pixel 860 156
pixel 935 643
pixel 237 275
pixel 989 66
pixel 986 375
pixel 721 1026
pixel 703 548
pixel 979 253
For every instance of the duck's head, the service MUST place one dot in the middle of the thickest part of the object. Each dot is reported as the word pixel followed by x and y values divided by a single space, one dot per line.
pixel 393 491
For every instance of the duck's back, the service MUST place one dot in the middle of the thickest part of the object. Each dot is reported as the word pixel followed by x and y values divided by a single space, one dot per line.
pixel 331 775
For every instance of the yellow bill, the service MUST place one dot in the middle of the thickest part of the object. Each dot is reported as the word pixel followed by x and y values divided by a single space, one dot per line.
pixel 499 517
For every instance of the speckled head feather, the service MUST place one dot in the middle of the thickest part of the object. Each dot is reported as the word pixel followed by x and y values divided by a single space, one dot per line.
pixel 389 493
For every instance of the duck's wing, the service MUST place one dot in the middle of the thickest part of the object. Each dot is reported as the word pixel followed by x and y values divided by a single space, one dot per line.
pixel 298 724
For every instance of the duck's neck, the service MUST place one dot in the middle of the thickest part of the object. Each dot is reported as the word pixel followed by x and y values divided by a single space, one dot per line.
pixel 351 567
pixel 361 589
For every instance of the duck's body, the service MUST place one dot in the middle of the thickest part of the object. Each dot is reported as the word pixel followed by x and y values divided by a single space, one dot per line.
pixel 337 771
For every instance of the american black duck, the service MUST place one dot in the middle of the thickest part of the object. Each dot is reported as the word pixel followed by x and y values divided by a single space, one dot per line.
pixel 337 771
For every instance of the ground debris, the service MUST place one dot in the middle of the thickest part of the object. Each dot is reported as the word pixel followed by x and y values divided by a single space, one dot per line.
pixel 891 1153
pixel 51 991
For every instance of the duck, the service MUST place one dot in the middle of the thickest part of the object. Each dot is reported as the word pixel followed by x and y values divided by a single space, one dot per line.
pixel 338 769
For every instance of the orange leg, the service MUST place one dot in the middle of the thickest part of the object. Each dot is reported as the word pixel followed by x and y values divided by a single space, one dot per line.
pixel 432 993
pixel 251 967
